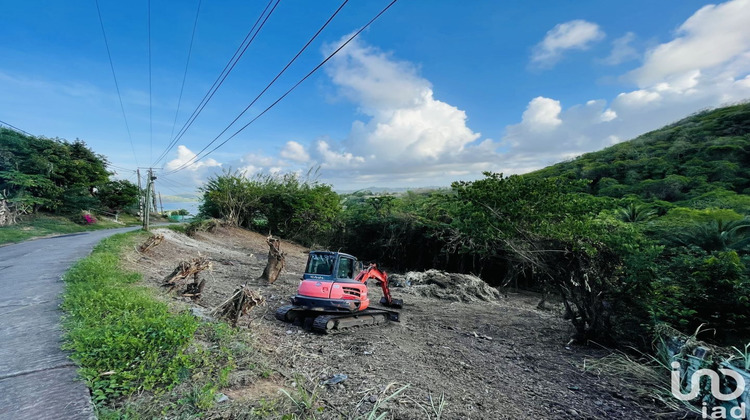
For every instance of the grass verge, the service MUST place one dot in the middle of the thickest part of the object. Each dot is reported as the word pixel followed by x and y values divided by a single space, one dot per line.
pixel 143 359
pixel 45 225
pixel 123 339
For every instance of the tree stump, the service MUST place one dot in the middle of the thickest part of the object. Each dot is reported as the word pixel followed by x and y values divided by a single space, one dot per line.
pixel 276 260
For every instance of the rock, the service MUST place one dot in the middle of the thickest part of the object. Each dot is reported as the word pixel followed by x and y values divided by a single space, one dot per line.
pixel 200 313
pixel 220 398
pixel 335 379
pixel 372 399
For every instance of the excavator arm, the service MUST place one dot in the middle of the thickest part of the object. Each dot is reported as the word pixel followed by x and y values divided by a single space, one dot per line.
pixel 373 272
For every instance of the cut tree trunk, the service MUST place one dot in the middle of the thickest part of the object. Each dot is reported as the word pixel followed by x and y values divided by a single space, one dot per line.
pixel 276 260
pixel 7 216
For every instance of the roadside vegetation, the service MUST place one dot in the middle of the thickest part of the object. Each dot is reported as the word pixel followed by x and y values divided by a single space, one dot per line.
pixel 144 357
pixel 43 180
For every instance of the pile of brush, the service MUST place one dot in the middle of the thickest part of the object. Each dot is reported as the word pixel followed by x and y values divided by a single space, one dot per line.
pixel 242 301
pixel 151 242
pixel 183 271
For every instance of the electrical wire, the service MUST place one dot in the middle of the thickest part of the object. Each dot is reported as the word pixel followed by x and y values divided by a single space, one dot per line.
pixel 150 96
pixel 249 38
pixel 184 76
pixel 272 81
pixel 195 159
pixel 114 76
pixel 16 128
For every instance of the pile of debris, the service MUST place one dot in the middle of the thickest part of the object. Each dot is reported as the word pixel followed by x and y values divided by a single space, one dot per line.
pixel 185 269
pixel 242 301
pixel 151 242
pixel 448 286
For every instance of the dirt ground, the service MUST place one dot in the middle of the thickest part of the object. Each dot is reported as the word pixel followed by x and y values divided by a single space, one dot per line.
pixel 486 360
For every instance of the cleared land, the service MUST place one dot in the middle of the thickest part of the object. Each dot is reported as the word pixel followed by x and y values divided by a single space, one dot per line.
pixel 498 359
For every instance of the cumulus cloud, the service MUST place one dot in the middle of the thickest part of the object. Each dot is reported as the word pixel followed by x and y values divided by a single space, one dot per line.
pixel 714 35
pixel 542 114
pixel 185 155
pixel 405 134
pixel 295 152
pixel 572 35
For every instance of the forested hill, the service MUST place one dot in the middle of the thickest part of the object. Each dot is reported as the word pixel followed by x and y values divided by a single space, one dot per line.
pixel 705 157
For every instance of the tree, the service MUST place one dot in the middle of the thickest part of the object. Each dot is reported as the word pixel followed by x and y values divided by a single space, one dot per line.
pixel 117 195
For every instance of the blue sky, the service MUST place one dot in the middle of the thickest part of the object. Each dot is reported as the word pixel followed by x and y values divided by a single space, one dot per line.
pixel 434 91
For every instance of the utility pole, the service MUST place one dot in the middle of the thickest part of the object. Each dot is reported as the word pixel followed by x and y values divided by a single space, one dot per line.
pixel 161 204
pixel 140 195
pixel 147 205
pixel 153 197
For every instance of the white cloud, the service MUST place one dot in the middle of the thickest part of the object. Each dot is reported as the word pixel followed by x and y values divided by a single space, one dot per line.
pixel 572 35
pixel 714 35
pixel 608 115
pixel 622 51
pixel 331 159
pixel 542 114
pixel 185 155
pixel 405 131
pixel 637 98
pixel 295 152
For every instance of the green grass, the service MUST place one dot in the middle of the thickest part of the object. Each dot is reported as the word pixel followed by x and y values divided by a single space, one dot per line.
pixel 122 337
pixel 44 225
pixel 142 358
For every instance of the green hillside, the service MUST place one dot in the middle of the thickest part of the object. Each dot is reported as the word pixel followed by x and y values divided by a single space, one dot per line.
pixel 701 161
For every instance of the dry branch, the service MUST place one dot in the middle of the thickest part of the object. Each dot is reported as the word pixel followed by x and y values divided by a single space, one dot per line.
pixel 242 301
pixel 184 270
pixel 151 242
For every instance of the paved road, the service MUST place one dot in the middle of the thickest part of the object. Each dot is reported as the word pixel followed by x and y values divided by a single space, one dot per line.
pixel 36 377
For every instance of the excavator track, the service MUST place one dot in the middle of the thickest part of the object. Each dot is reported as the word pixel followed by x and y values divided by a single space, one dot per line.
pixel 332 323
pixel 335 323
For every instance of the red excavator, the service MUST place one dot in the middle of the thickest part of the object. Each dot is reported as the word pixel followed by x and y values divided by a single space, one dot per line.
pixel 330 299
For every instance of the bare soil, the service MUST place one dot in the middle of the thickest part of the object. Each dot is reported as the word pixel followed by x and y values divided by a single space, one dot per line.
pixel 488 360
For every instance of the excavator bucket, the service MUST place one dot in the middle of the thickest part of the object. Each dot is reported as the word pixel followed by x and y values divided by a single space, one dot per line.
pixel 395 303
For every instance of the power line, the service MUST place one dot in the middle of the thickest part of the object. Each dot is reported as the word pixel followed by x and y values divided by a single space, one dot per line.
pixel 184 76
pixel 223 75
pixel 150 96
pixel 16 128
pixel 271 82
pixel 114 76
pixel 196 158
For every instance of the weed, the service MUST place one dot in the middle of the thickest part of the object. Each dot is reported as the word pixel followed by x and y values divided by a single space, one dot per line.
pixel 373 414
pixel 305 402
pixel 200 398
pixel 744 356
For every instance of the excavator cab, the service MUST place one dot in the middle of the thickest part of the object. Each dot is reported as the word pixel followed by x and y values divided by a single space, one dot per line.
pixel 326 265
pixel 328 284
